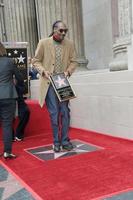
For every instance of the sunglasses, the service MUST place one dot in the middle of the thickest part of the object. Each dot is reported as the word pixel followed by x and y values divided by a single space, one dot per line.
pixel 63 30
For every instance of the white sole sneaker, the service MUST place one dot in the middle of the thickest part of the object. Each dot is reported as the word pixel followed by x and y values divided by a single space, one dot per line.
pixel 18 139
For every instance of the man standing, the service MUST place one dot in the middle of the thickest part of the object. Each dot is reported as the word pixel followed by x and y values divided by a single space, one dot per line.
pixel 8 96
pixel 54 55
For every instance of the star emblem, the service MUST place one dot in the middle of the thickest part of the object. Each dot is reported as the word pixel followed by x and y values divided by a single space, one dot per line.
pixel 10 186
pixel 61 153
pixel 60 81
pixel 9 54
pixel 47 152
pixel 21 59
pixel 55 155
pixel 15 51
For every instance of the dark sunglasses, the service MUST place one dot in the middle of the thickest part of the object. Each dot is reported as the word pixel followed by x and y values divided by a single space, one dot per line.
pixel 63 30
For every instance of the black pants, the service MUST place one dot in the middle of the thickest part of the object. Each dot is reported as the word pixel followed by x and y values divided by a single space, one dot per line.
pixel 23 115
pixel 7 111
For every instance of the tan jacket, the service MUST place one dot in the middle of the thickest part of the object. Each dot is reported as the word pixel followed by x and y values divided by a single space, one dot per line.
pixel 44 59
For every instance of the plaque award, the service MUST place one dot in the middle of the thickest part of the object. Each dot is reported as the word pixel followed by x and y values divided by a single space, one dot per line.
pixel 62 87
pixel 19 52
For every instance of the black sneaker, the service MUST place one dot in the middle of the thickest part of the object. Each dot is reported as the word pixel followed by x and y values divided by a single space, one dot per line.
pixel 9 155
pixel 68 146
pixel 13 139
pixel 56 148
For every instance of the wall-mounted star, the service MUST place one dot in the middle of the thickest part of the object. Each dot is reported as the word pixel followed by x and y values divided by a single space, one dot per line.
pixel 15 51
pixel 21 59
pixel 9 54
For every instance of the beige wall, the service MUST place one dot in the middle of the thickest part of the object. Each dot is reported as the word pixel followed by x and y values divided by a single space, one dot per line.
pixel 104 102
pixel 97 33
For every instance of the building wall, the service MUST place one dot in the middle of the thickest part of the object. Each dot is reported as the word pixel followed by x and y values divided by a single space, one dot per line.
pixel 97 33
pixel 20 22
pixel 104 102
pixel 104 99
pixel 3 36
pixel 31 20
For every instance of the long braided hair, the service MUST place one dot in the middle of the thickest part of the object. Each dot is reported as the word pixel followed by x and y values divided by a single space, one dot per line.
pixel 53 26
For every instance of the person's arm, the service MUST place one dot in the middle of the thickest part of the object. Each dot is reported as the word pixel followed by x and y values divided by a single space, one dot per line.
pixel 38 59
pixel 73 61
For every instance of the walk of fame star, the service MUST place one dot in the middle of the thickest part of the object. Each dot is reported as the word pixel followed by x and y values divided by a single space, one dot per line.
pixel 47 153
pixel 11 188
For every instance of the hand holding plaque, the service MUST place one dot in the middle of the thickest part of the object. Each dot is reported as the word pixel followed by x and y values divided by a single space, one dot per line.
pixel 62 87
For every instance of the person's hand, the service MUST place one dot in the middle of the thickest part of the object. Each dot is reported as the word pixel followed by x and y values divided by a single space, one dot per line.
pixel 38 76
pixel 46 74
pixel 14 81
pixel 67 74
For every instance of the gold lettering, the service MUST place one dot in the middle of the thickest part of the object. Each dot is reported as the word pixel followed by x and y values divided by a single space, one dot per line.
pixel 21 66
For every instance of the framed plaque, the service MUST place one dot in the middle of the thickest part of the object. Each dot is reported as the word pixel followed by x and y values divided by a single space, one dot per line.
pixel 18 51
pixel 62 87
